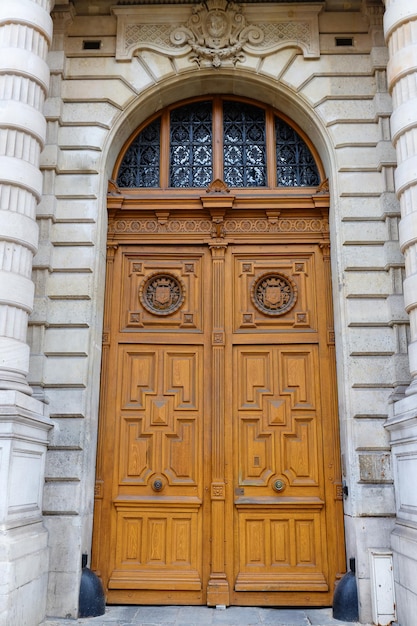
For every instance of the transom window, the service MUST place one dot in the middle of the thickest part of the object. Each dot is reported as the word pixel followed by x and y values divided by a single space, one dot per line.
pixel 241 143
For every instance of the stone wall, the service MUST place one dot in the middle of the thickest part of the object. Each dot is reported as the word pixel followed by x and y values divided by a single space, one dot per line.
pixel 338 95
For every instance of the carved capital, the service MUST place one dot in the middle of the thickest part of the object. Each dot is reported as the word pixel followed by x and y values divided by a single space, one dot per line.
pixel 111 251
pixel 63 16
pixel 218 247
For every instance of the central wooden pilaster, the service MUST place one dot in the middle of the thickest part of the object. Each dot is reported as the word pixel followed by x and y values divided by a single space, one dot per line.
pixel 218 587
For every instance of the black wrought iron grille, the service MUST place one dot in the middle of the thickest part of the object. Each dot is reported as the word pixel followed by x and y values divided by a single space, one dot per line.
pixel 191 149
pixel 244 145
pixel 141 162
pixel 296 166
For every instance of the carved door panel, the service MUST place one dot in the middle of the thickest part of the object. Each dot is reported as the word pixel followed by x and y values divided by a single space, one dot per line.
pixel 279 503
pixel 153 458
pixel 286 527
pixel 160 408
pixel 218 470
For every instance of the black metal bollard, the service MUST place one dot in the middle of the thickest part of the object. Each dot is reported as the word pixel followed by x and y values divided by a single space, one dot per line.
pixel 345 599
pixel 91 599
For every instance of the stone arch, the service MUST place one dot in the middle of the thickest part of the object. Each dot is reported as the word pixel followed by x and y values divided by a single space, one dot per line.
pixel 228 82
pixel 225 82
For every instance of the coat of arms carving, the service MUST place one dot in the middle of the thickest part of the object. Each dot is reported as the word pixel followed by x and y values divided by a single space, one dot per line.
pixel 217 32
pixel 274 294
pixel 161 294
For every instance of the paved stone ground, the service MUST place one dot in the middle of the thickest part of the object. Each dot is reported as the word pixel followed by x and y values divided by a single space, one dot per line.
pixel 204 616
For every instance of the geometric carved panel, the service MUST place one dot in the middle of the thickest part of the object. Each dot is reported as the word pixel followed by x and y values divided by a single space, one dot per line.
pixel 139 369
pixel 157 549
pixel 256 453
pixel 255 379
pixel 296 374
pixel 276 424
pixel 180 376
pixel 280 550
pixel 160 430
pixel 299 453
pixel 279 502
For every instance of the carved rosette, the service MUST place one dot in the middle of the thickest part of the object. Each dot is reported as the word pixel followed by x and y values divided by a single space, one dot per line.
pixel 162 293
pixel 217 32
pixel 274 293
pixel 204 226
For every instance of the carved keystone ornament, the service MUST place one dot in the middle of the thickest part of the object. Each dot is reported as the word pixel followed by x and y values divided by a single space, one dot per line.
pixel 217 31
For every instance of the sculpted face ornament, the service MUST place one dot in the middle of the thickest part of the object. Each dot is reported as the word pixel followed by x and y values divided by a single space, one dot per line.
pixel 216 26
pixel 274 293
pixel 162 293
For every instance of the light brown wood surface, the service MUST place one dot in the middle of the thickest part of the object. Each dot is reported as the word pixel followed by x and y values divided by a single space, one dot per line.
pixel 219 401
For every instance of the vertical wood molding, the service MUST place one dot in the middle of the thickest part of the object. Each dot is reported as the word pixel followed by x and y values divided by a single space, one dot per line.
pixel 99 484
pixel 335 472
pixel 218 588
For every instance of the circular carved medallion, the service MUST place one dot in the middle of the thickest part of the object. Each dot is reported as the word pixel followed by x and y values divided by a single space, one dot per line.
pixel 274 293
pixel 161 293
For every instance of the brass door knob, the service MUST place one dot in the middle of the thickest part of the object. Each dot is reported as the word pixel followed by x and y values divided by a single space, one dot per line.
pixel 278 485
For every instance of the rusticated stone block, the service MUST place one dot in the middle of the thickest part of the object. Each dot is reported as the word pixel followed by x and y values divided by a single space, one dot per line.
pixel 375 468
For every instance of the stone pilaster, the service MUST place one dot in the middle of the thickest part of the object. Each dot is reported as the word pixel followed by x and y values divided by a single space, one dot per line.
pixel 400 26
pixel 25 34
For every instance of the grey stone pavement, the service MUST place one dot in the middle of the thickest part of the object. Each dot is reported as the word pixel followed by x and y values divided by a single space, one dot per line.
pixel 204 616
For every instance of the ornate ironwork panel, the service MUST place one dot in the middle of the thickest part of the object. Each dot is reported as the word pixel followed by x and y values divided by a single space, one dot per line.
pixel 191 150
pixel 296 166
pixel 140 165
pixel 192 143
pixel 244 145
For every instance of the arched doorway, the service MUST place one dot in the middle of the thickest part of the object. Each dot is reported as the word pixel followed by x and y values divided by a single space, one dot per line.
pixel 218 476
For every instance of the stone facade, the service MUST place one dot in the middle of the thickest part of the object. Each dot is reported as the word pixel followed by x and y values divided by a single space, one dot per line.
pixel 347 77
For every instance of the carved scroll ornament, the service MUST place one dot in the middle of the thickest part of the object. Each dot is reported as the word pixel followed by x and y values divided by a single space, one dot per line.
pixel 217 32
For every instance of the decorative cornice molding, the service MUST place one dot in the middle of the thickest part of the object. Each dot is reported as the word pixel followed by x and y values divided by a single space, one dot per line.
pixel 230 226
pixel 216 32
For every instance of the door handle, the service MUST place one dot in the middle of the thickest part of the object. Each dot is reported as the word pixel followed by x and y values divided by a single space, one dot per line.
pixel 157 485
pixel 278 485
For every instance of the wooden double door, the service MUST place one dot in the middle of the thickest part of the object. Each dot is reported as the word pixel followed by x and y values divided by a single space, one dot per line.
pixel 218 466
